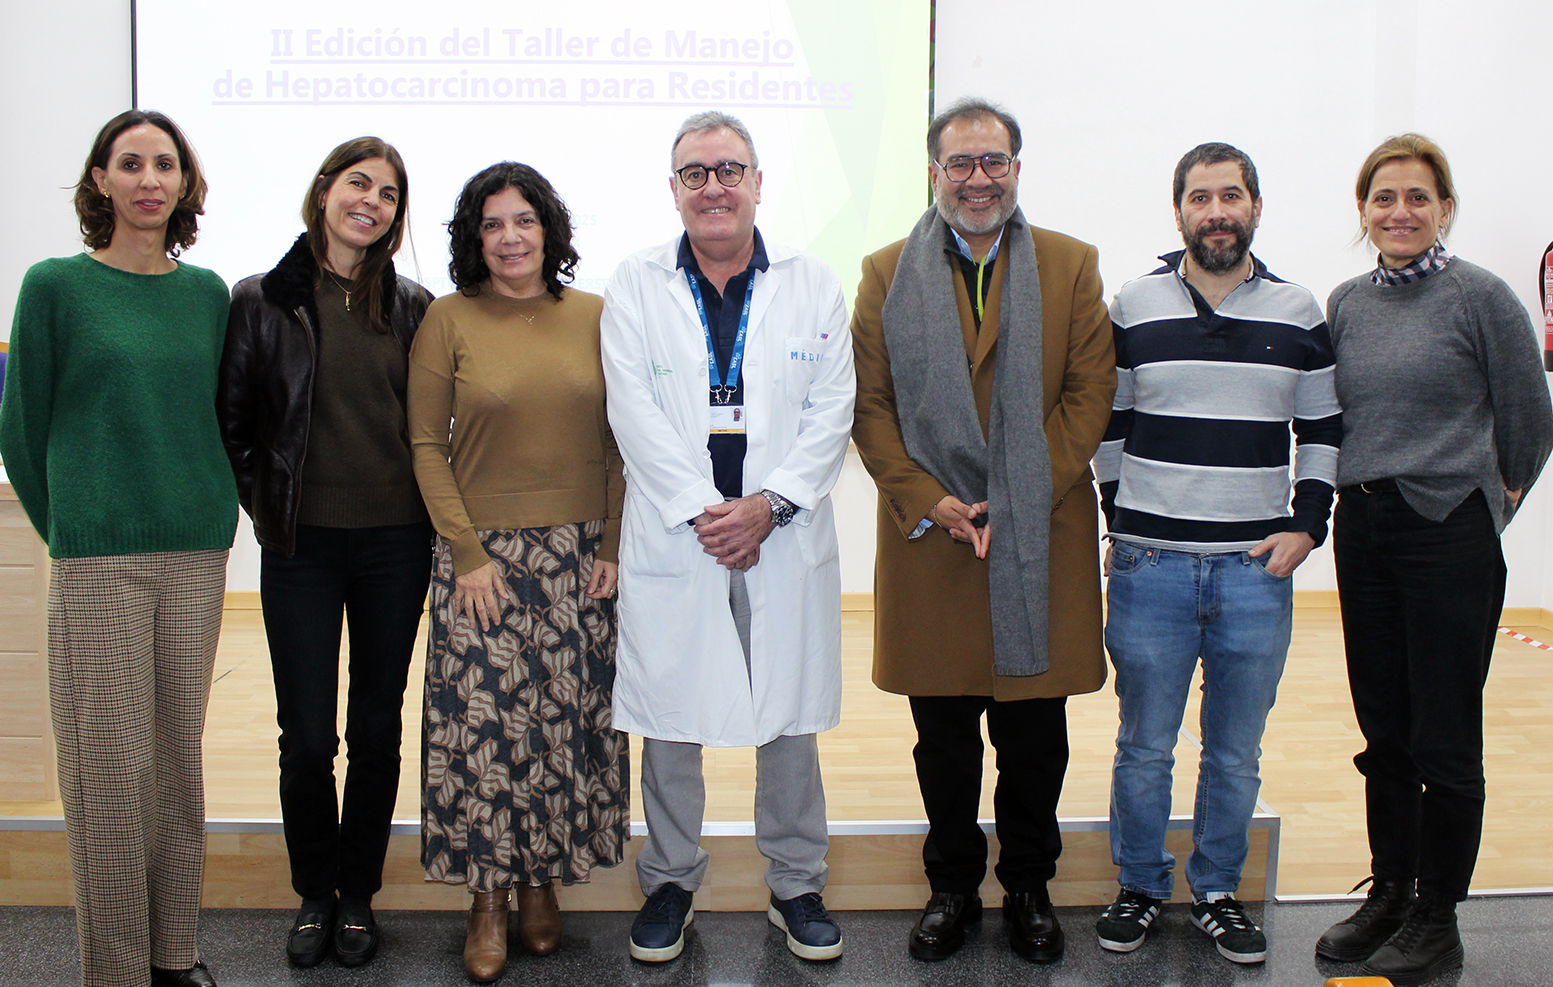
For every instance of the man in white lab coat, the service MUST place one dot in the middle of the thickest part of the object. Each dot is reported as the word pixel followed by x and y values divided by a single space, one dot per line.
pixel 728 364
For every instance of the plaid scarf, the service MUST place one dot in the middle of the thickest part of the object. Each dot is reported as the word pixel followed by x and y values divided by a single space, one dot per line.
pixel 1431 260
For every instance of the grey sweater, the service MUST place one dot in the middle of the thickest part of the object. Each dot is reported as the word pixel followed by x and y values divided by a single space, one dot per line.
pixel 1442 389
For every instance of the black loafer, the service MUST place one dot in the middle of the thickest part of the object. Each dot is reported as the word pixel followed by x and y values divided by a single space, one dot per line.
pixel 940 931
pixel 311 932
pixel 194 976
pixel 1033 929
pixel 355 932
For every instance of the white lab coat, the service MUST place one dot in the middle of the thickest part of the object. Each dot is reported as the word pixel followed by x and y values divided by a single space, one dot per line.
pixel 680 672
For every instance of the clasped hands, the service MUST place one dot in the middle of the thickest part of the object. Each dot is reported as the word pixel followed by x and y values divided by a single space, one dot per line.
pixel 958 518
pixel 731 532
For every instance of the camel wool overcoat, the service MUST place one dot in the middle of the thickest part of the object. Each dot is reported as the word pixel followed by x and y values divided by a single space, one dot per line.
pixel 932 607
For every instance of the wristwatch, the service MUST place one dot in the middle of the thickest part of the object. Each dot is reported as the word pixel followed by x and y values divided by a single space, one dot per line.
pixel 782 509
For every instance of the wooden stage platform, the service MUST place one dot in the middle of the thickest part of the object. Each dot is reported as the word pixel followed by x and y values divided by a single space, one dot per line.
pixel 1309 841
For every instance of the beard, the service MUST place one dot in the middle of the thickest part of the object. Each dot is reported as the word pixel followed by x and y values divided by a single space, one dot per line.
pixel 1219 260
pixel 949 209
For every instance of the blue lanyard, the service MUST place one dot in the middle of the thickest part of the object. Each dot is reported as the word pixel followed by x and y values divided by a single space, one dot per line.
pixel 723 394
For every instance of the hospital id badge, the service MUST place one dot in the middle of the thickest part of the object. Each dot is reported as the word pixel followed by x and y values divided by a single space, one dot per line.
pixel 727 419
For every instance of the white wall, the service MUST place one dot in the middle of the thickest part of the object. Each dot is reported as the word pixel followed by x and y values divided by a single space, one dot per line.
pixel 1110 95
pixel 64 71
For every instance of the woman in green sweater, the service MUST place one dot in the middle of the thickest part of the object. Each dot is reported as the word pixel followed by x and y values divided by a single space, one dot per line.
pixel 525 775
pixel 108 433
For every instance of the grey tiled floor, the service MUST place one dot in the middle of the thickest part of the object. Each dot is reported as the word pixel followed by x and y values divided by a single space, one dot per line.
pixel 1509 944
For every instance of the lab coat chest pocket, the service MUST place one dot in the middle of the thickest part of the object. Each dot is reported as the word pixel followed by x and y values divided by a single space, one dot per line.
pixel 801 357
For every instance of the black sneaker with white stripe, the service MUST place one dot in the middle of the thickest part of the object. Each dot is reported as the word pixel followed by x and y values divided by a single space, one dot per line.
pixel 1126 921
pixel 1238 938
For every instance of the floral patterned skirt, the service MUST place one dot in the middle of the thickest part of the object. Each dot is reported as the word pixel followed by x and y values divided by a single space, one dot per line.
pixel 525 778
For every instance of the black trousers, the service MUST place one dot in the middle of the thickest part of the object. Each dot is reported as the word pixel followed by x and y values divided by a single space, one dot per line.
pixel 378 578
pixel 1031 740
pixel 1421 602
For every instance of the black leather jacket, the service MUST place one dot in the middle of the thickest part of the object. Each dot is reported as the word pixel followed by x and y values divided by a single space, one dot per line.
pixel 265 396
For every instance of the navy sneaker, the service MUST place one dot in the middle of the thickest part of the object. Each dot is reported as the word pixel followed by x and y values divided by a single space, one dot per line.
pixel 658 934
pixel 811 933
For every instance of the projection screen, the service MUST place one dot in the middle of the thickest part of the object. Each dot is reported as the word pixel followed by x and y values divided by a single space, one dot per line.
pixel 834 92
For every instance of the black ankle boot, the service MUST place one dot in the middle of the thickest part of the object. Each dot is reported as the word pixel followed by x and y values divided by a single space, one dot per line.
pixel 1378 919
pixel 1426 946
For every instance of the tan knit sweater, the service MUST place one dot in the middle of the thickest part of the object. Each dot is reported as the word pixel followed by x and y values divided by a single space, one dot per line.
pixel 507 420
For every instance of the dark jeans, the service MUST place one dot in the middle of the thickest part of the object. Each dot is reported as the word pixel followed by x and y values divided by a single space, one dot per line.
pixel 378 578
pixel 1031 738
pixel 1421 604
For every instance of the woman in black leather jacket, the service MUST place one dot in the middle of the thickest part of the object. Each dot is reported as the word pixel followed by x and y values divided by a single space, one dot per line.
pixel 312 410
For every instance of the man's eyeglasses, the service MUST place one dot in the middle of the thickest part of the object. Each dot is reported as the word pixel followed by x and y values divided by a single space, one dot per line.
pixel 961 167
pixel 729 174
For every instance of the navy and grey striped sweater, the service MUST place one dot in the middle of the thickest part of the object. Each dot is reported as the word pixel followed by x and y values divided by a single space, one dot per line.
pixel 1197 454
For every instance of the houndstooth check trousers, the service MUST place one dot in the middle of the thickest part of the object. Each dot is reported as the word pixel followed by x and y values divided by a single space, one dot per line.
pixel 132 640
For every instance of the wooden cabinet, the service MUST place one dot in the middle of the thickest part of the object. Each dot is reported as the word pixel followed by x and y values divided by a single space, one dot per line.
pixel 26 738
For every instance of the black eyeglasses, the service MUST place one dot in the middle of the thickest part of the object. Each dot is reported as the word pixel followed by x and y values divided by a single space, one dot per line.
pixel 963 167
pixel 729 174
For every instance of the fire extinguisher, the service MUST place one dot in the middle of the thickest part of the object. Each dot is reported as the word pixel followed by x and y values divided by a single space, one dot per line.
pixel 1546 283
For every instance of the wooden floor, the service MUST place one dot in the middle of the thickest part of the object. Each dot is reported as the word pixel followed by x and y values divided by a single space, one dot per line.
pixel 1308 775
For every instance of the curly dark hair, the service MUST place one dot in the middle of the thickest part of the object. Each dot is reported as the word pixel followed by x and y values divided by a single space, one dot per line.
pixel 467 268
pixel 94 209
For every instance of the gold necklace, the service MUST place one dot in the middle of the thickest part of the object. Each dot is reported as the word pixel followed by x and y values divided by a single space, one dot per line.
pixel 343 287
pixel 527 318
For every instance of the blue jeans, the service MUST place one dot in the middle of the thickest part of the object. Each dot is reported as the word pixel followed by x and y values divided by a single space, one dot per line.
pixel 1167 609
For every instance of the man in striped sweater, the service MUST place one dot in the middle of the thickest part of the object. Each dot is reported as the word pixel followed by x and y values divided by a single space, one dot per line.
pixel 1216 360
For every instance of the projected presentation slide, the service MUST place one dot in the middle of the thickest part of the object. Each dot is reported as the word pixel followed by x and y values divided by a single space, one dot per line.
pixel 833 91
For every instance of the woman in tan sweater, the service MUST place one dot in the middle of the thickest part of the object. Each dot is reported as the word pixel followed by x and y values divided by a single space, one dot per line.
pixel 525 777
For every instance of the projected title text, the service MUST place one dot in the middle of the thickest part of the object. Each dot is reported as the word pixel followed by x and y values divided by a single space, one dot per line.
pixel 549 66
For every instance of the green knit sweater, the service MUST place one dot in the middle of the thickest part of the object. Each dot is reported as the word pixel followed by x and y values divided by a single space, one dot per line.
pixel 108 425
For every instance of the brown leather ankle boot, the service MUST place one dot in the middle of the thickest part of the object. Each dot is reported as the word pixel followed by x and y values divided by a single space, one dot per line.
pixel 485 950
pixel 539 918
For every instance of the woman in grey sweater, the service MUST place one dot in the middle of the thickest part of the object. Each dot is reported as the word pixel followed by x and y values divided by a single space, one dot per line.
pixel 1446 424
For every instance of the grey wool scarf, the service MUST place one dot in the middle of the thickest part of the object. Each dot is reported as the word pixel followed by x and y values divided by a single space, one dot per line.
pixel 1010 468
